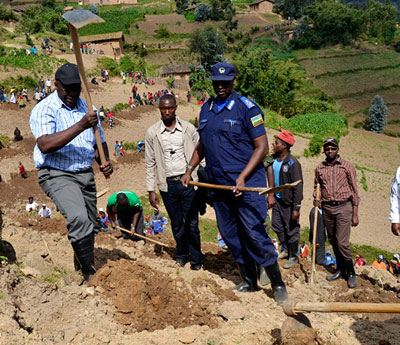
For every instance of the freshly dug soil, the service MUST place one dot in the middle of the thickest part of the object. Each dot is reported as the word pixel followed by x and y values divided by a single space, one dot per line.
pixel 150 300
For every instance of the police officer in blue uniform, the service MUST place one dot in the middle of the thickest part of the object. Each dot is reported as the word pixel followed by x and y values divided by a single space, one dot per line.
pixel 233 142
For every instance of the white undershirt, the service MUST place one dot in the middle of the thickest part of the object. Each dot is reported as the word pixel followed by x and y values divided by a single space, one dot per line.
pixel 174 154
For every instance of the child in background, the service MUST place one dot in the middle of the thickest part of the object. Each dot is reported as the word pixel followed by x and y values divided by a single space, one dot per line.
pixel 221 241
pixel 104 221
pixel 157 222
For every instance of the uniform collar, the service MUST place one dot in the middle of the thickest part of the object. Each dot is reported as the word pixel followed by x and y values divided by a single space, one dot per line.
pixel 229 104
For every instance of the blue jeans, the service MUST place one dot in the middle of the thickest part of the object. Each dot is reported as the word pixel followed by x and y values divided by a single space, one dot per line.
pixel 182 211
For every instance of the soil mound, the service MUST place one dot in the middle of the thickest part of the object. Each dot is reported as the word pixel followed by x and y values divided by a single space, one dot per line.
pixel 150 300
pixel 24 147
pixel 136 113
pixel 49 225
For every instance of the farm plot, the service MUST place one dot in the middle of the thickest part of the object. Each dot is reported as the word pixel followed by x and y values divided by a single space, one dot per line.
pixel 349 63
pixel 357 103
pixel 353 84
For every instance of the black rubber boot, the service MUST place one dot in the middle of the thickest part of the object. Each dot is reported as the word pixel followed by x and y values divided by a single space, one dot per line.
pixel 278 286
pixel 248 273
pixel 84 255
pixel 351 274
pixel 293 259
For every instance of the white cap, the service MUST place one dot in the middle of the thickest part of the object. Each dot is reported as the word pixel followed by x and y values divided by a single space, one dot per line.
pixel 43 204
pixel 101 210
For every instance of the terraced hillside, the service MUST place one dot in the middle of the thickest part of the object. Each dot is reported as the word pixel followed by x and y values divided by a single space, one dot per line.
pixel 354 76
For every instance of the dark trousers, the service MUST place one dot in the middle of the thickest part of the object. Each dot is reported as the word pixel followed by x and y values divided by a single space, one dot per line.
pixel 320 236
pixel 182 211
pixel 288 230
pixel 125 221
pixel 337 220
pixel 241 224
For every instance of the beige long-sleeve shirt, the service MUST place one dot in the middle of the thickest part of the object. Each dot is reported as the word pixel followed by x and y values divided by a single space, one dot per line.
pixel 155 151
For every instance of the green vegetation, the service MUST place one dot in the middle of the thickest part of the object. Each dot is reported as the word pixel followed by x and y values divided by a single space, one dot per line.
pixel 162 32
pixel 363 177
pixel 331 22
pixel 20 82
pixel 5 140
pixel 212 47
pixel 119 107
pixel 53 277
pixel 126 19
pixel 38 64
pixel 6 13
pixel 324 124
pixel 43 19
pixel 129 145
pixel 126 63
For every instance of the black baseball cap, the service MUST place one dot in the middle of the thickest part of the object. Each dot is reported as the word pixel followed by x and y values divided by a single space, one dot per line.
pixel 68 74
pixel 223 71
pixel 331 142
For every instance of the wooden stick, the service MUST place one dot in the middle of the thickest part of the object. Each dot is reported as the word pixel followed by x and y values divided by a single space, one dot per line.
pixel 66 280
pixel 291 307
pixel 313 269
pixel 260 190
pixel 79 62
pixel 101 193
pixel 141 236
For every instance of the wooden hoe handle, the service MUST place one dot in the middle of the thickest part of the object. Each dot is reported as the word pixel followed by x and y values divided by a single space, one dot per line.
pixel 141 236
pixel 79 62
pixel 291 307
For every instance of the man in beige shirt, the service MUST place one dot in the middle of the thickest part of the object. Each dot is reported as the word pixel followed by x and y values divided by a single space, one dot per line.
pixel 169 146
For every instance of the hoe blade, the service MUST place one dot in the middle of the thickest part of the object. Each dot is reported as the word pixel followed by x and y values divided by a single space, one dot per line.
pixel 80 18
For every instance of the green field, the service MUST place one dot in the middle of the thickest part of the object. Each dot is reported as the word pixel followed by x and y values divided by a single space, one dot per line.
pixel 341 64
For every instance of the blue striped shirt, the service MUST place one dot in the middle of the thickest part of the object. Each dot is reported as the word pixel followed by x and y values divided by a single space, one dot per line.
pixel 50 116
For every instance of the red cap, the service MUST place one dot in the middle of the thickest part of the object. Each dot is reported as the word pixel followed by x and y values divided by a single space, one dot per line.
pixel 287 137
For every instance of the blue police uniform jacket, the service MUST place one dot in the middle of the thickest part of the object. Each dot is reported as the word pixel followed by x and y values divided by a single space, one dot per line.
pixel 227 137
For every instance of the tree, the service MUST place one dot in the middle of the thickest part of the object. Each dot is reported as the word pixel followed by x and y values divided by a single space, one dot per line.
pixel 181 5
pixel 377 115
pixel 292 8
pixel 381 21
pixel 335 22
pixel 202 12
pixel 209 44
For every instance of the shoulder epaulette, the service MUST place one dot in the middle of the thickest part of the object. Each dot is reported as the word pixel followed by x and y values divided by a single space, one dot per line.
pixel 249 104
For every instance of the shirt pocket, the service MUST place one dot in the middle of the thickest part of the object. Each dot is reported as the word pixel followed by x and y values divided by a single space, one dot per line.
pixel 231 129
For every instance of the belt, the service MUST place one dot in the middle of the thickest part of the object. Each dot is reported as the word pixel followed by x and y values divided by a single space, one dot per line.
pixel 174 178
pixel 335 203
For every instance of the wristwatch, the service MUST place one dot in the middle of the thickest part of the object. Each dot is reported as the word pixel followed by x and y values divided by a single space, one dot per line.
pixel 189 167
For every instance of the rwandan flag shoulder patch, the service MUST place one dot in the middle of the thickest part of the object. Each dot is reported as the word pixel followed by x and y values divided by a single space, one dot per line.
pixel 257 120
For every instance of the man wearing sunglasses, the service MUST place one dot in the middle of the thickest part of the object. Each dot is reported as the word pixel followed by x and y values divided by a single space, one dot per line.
pixel 339 201
pixel 64 153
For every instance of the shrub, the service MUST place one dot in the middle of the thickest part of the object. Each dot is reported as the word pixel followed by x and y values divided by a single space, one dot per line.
pixel 7 13
pixel 170 82
pixel 20 82
pixel 129 146
pixel 314 105
pixel 377 115
pixel 5 140
pixel 162 32
pixel 314 146
pixel 120 106
pixel 190 17
pixel 202 12
pixel 93 9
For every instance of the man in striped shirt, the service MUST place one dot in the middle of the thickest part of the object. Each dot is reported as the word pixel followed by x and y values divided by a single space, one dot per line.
pixel 339 202
pixel 64 153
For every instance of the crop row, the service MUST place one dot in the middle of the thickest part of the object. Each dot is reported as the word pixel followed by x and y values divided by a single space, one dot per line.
pixel 350 64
